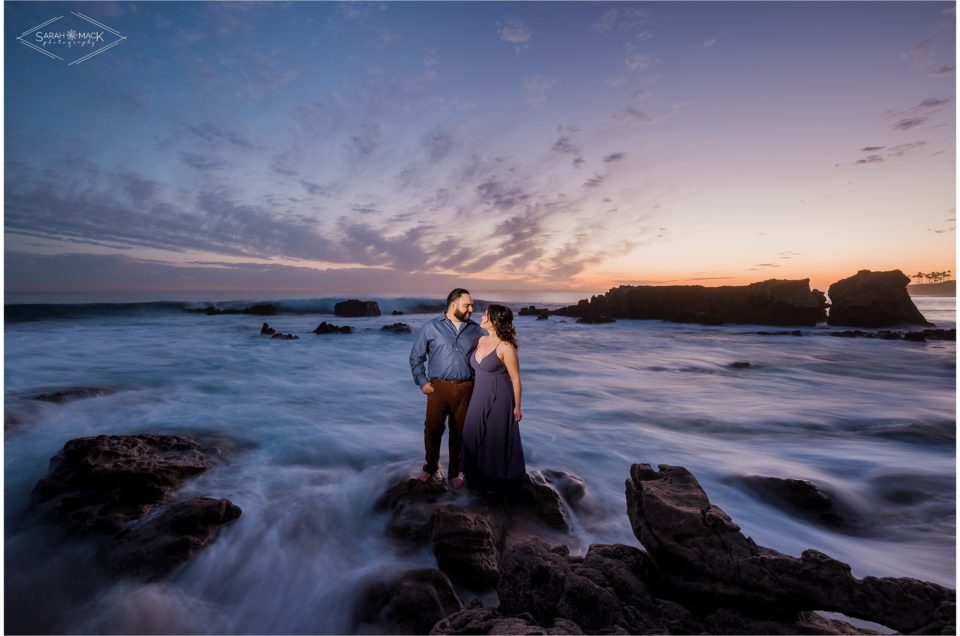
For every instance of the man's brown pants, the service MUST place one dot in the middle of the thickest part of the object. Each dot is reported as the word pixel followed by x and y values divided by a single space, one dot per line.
pixel 449 399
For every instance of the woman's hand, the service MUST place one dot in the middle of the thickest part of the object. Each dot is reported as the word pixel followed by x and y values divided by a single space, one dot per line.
pixel 517 415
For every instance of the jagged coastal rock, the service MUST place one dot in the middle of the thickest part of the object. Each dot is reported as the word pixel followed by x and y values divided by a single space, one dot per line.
pixel 326 327
pixel 120 485
pixel 702 555
pixel 75 393
pixel 874 299
pixel 771 302
pixel 397 327
pixel 356 309
pixel 259 309
pixel 696 573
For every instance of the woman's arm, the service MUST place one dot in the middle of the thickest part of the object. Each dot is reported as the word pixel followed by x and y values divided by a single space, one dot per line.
pixel 508 354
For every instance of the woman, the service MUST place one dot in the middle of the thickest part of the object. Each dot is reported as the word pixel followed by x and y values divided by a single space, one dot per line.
pixel 492 452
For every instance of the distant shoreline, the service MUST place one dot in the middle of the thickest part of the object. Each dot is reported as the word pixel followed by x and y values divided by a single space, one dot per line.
pixel 946 288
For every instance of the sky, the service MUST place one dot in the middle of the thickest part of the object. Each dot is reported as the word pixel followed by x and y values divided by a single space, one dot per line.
pixel 414 146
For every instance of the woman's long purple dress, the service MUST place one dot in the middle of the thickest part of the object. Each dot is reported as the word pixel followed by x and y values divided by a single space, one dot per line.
pixel 492 452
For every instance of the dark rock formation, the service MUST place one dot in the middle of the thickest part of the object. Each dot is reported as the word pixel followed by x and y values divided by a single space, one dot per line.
pixel 909 336
pixel 794 332
pixel 117 485
pixel 466 542
pixel 100 483
pixel 490 621
pixel 284 336
pixel 75 393
pixel 410 503
pixel 702 555
pixel 803 499
pixel 153 547
pixel 544 501
pixel 599 319
pixel 326 327
pixel 740 365
pixel 873 299
pixel 356 309
pixel 772 302
pixel 397 327
pixel 541 314
pixel 411 603
pixel 267 330
pixel 396 312
pixel 571 487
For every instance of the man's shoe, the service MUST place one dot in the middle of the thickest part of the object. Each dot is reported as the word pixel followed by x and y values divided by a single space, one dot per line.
pixel 456 483
pixel 424 476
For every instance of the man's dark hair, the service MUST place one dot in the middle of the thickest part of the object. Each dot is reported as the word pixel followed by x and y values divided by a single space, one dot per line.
pixel 456 294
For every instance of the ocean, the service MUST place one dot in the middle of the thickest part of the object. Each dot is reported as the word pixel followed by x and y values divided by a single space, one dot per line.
pixel 318 427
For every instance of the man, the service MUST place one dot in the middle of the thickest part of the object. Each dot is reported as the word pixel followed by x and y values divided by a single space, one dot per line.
pixel 446 343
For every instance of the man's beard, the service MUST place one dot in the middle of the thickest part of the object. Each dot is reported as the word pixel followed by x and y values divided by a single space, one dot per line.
pixel 461 316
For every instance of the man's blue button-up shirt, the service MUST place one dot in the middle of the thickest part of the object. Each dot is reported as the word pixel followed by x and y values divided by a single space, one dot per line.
pixel 448 350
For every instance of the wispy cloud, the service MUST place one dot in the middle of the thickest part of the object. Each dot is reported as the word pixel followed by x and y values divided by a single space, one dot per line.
pixel 620 18
pixel 617 156
pixel 909 118
pixel 513 31
pixel 632 115
pixel 595 181
pixel 710 42
pixel 869 159
pixel 566 145
pixel 536 88
pixel 637 62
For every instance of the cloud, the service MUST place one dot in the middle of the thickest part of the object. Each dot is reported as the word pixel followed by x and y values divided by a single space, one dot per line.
pixel 632 115
pixel 710 42
pixel 615 82
pixel 904 149
pixel 595 181
pixel 501 196
pixel 871 148
pixel 368 139
pixel 201 162
pixel 620 18
pixel 637 62
pixel 943 71
pixel 536 87
pixel 438 145
pixel 617 156
pixel 922 54
pixel 516 33
pixel 216 136
pixel 579 161
pixel 907 124
pixel 869 159
pixel 565 145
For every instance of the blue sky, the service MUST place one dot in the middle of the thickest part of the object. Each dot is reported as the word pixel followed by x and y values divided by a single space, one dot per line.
pixel 375 147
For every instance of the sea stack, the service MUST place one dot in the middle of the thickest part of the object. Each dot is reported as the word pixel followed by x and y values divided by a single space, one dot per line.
pixel 873 299
pixel 356 309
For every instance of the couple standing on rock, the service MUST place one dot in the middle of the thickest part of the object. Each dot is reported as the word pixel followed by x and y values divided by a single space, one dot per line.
pixel 474 381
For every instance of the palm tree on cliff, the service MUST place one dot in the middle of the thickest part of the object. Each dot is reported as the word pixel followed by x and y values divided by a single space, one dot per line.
pixel 919 276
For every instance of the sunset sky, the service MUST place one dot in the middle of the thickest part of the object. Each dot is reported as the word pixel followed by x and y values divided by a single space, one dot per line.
pixel 405 147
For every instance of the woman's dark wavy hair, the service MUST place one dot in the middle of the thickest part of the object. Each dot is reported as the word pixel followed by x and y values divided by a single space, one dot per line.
pixel 502 319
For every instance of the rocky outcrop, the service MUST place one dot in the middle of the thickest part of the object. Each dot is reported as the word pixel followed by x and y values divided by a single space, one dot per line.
pixel 410 603
pixel 356 309
pixel 873 299
pixel 326 327
pixel 771 302
pixel 466 542
pixel 490 621
pixel 702 555
pixel 74 393
pixel 532 310
pixel 803 498
pixel 152 548
pixel 397 327
pixel 267 330
pixel 119 485
pixel 909 336
pixel 284 336
pixel 544 501
pixel 259 309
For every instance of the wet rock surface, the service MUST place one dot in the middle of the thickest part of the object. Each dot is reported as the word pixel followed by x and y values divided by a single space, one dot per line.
pixel 701 553
pixel 119 485
pixel 410 603
pixel 466 542
pixel 771 302
pixel 356 309
pixel 804 499
pixel 326 327
pixel 397 327
pixel 74 393
pixel 874 299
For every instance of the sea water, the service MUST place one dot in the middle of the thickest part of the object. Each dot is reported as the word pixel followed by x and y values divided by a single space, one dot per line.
pixel 315 429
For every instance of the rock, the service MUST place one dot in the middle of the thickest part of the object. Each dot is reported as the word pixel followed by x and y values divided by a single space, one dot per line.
pixel 326 327
pixel 543 316
pixel 466 543
pixel 396 312
pixel 490 621
pixel 267 330
pixel 260 309
pixel 410 503
pixel 74 393
pixel 701 554
pixel 544 501
pixel 284 336
pixel 397 327
pixel 594 320
pixel 411 603
pixel 153 547
pixel 571 487
pixel 771 302
pixel 873 299
pixel 100 483
pixel 739 365
pixel 804 499
pixel 795 332
pixel 728 621
pixel 356 309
